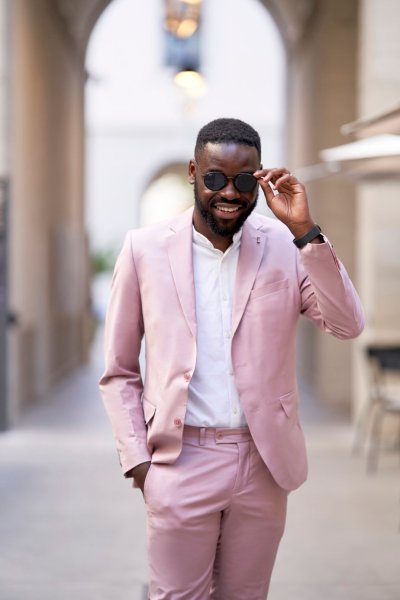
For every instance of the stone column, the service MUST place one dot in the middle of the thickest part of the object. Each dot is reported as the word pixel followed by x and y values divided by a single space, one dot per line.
pixel 322 96
pixel 378 258
pixel 48 255
pixel 4 189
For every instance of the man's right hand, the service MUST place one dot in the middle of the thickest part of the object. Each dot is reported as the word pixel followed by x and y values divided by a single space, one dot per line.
pixel 139 473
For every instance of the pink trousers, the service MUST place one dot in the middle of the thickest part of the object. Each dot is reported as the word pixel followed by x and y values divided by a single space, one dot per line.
pixel 214 519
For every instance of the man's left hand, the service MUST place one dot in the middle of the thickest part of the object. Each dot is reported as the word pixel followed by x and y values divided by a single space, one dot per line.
pixel 289 200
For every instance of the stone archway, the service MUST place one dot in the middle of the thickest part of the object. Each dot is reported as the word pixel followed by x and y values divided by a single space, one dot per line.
pixel 321 48
pixel 292 18
pixel 47 138
pixel 167 186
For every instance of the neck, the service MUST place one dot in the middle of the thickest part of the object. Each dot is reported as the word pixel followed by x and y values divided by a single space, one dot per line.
pixel 218 241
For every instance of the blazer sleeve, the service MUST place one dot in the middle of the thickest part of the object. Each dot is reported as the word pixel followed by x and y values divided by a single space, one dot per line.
pixel 121 384
pixel 328 297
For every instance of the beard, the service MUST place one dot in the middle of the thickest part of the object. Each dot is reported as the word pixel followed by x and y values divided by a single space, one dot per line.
pixel 223 230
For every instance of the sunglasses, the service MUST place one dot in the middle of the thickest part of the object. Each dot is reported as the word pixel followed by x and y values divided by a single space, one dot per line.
pixel 243 182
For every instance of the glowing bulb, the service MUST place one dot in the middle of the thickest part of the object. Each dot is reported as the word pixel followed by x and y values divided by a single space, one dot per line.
pixel 186 28
pixel 191 82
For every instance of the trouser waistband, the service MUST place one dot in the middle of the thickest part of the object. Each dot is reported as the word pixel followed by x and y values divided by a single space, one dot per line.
pixel 218 435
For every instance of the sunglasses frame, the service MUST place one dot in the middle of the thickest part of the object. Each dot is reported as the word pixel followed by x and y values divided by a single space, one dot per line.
pixel 226 179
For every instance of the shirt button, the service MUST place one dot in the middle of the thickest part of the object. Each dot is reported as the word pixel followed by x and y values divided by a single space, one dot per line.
pixel 228 335
pixel 230 372
pixel 187 376
pixel 224 298
pixel 177 422
pixel 235 411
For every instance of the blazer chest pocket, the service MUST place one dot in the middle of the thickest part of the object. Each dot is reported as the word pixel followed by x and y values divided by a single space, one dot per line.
pixel 148 410
pixel 269 288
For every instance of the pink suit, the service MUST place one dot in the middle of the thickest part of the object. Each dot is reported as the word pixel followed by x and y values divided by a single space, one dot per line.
pixel 153 294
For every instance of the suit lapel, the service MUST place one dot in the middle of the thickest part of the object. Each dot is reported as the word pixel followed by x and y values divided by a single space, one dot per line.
pixel 180 255
pixel 251 252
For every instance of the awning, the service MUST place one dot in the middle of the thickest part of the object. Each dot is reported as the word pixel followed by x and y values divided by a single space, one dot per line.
pixel 371 147
pixel 367 157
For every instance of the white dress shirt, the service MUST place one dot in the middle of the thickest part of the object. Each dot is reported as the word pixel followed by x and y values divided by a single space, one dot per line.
pixel 213 397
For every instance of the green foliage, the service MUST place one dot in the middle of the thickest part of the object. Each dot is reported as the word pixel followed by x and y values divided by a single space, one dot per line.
pixel 102 261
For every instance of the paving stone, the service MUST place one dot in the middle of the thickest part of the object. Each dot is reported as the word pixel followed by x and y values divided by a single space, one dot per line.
pixel 72 528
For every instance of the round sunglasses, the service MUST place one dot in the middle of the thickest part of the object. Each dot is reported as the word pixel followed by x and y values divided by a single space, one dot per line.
pixel 243 182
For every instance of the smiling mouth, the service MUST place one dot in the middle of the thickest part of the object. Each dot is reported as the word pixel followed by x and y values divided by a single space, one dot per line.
pixel 227 208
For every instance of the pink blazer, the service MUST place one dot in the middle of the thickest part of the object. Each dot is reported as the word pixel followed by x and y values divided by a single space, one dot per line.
pixel 153 296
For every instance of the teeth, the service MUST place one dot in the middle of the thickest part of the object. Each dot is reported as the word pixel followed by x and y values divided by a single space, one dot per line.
pixel 228 210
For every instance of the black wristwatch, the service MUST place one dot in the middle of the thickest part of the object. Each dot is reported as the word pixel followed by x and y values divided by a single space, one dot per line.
pixel 303 241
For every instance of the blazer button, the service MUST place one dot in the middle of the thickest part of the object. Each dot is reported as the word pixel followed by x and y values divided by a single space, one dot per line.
pixel 178 422
pixel 187 376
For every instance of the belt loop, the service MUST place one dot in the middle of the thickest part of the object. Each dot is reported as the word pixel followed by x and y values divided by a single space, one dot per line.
pixel 202 436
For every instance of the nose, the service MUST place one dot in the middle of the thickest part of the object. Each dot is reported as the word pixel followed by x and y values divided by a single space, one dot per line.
pixel 229 191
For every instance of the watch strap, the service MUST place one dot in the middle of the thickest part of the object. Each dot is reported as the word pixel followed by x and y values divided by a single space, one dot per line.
pixel 310 235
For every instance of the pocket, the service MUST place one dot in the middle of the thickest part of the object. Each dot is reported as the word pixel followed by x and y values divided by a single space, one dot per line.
pixel 148 410
pixel 269 288
pixel 289 403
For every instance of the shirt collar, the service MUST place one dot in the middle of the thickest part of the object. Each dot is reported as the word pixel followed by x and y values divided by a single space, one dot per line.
pixel 200 240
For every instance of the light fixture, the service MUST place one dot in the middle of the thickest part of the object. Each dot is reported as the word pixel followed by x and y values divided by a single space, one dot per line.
pixel 186 28
pixel 191 82
pixel 182 17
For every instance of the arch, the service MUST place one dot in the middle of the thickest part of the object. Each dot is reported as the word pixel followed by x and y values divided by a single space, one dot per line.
pixel 177 167
pixel 318 38
pixel 166 193
pixel 157 139
pixel 291 18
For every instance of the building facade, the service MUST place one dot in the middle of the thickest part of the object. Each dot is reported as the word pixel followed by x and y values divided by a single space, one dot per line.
pixel 342 60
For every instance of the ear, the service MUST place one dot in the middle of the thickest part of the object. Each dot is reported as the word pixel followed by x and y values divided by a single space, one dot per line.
pixel 191 171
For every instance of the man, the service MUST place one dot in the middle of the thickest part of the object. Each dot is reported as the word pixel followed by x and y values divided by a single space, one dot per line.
pixel 212 436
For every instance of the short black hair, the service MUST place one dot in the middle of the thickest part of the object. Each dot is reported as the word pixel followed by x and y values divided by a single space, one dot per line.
pixel 225 131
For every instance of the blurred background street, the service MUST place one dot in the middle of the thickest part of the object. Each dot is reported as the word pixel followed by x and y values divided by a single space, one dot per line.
pixel 72 527
pixel 100 104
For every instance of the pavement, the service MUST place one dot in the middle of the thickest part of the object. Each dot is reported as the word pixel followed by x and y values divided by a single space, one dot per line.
pixel 71 528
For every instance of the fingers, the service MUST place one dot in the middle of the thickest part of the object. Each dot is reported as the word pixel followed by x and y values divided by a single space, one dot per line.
pixel 280 178
pixel 273 174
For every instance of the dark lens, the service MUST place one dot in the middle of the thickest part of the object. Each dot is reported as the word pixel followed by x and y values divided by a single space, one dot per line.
pixel 245 182
pixel 215 180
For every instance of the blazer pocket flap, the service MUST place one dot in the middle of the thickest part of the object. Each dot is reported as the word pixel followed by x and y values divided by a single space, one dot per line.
pixel 288 403
pixel 269 288
pixel 148 410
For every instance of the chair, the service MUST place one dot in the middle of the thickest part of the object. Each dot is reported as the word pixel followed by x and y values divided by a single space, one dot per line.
pixel 384 399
